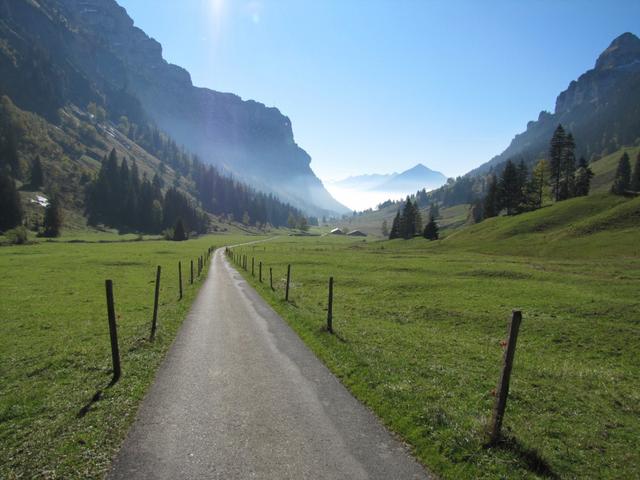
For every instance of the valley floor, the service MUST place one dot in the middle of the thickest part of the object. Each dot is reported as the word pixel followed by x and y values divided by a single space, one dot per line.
pixel 418 338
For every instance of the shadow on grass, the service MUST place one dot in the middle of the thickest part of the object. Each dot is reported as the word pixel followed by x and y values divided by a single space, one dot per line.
pixel 96 398
pixel 529 457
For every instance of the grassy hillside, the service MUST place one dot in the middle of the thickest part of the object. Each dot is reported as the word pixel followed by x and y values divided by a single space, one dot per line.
pixel 454 217
pixel 55 347
pixel 419 324
pixel 605 169
pixel 597 226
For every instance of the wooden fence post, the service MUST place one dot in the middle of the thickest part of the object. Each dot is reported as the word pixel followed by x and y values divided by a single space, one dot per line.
pixel 180 279
pixel 271 277
pixel 260 272
pixel 330 307
pixel 252 266
pixel 191 272
pixel 502 391
pixel 154 322
pixel 113 333
pixel 286 292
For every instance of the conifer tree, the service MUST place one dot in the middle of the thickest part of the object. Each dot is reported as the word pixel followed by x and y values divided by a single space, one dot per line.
pixel 583 179
pixel 431 229
pixel 395 227
pixel 622 179
pixel 568 168
pixel 10 205
pixel 52 219
pixel 408 220
pixel 555 159
pixel 635 178
pixel 37 176
pixel 179 233
pixel 491 199
pixel 510 189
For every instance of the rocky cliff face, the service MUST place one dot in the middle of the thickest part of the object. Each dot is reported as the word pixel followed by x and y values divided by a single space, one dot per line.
pixel 601 109
pixel 98 54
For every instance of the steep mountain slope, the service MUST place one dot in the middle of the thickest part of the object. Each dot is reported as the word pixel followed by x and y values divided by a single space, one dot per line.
pixel 601 109
pixel 55 52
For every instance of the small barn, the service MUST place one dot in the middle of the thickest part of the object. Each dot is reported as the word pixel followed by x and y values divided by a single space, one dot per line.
pixel 337 231
pixel 356 233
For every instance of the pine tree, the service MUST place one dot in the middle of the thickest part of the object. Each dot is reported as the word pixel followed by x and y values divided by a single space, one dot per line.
pixel 408 220
pixel 568 169
pixel 510 190
pixel 37 176
pixel 622 179
pixel 583 179
pixel 556 151
pixel 395 227
pixel 435 210
pixel 491 199
pixel 179 233
pixel 10 205
pixel 10 153
pixel 635 178
pixel 52 219
pixel 431 229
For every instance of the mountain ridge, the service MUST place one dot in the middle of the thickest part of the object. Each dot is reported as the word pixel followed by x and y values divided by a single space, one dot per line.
pixel 91 50
pixel 601 109
pixel 415 178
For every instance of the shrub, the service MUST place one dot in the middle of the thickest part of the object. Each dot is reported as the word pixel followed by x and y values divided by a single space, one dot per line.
pixel 17 236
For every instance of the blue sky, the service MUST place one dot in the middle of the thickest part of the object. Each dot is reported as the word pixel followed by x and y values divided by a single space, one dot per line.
pixel 375 86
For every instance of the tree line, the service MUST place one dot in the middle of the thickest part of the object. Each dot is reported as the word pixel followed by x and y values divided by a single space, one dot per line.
pixel 625 182
pixel 120 198
pixel 517 189
pixel 408 222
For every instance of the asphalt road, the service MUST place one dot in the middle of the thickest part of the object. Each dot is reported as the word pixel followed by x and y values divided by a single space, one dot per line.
pixel 239 396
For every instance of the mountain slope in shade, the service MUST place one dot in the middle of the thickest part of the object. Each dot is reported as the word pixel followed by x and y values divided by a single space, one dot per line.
pixel 90 50
pixel 601 109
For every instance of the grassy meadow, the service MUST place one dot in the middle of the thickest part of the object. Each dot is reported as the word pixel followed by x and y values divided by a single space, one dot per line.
pixel 54 345
pixel 419 324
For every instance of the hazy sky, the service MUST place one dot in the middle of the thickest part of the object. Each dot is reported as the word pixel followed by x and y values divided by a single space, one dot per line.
pixel 378 86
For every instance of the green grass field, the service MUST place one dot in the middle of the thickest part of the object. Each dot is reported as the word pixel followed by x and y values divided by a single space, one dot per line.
pixel 54 345
pixel 419 324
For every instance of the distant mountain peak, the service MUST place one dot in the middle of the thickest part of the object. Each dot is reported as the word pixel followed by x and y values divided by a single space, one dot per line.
pixel 624 50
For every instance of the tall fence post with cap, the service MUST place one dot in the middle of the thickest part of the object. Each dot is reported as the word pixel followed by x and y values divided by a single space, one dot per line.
pixel 286 291
pixel 113 332
pixel 330 307
pixel 154 321
pixel 502 391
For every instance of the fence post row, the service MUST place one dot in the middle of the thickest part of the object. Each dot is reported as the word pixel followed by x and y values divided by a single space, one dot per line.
pixel 502 391
pixel 154 321
pixel 113 333
pixel 286 292
pixel 330 307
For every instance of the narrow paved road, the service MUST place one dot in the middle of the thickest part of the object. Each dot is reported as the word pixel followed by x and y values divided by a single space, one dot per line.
pixel 239 396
